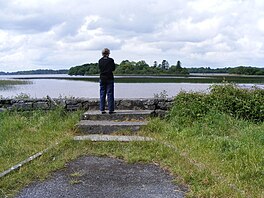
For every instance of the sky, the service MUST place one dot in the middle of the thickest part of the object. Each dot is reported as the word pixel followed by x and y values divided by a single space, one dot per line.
pixel 59 34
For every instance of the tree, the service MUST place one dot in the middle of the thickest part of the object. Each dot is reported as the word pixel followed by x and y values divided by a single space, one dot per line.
pixel 178 68
pixel 155 64
pixel 245 70
pixel 165 65
pixel 86 69
pixel 178 65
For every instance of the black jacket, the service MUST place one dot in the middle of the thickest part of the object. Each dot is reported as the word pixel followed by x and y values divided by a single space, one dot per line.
pixel 106 66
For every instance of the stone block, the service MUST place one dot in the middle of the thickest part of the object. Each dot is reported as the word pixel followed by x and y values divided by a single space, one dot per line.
pixel 92 104
pixel 41 105
pixel 4 102
pixel 151 107
pixel 74 107
pixel 85 105
pixel 125 104
pixel 71 102
pixel 23 106
pixel 60 102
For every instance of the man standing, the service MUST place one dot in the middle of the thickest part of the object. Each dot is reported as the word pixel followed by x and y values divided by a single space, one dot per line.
pixel 106 67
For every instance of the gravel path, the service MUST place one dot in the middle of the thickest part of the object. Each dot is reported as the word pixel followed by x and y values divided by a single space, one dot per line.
pixel 98 177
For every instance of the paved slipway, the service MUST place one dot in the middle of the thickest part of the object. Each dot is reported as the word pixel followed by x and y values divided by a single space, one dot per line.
pixel 98 177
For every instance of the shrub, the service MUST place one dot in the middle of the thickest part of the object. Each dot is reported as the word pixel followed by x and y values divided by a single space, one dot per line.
pixel 240 103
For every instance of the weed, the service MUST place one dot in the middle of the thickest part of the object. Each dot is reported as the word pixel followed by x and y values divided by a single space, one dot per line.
pixel 74 182
pixel 76 174
pixel 161 95
pixel 22 96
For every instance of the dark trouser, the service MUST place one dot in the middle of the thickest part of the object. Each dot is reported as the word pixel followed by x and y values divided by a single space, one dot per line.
pixel 107 88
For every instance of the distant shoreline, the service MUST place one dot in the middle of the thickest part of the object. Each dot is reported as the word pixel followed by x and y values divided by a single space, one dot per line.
pixel 193 78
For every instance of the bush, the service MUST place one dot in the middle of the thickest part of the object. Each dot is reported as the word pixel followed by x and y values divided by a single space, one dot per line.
pixel 240 103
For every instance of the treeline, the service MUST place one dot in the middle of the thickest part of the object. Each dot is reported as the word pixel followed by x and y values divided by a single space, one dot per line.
pixel 127 67
pixel 85 69
pixel 207 70
pixel 246 70
pixel 38 71
pixel 242 70
pixel 133 68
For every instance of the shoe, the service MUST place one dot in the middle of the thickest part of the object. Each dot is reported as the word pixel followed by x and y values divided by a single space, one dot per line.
pixel 103 112
pixel 111 112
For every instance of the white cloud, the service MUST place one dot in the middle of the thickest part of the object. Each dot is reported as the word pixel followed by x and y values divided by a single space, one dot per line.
pixel 59 33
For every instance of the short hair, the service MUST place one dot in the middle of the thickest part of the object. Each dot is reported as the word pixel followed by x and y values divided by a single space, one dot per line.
pixel 105 51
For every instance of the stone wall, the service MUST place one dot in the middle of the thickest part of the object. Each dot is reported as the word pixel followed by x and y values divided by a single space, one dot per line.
pixel 157 105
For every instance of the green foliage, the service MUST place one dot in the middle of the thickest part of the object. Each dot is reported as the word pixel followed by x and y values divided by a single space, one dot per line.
pixel 86 69
pixel 127 67
pixel 227 151
pixel 242 103
pixel 228 98
pixel 207 70
pixel 142 68
pixel 242 70
pixel 25 133
pixel 246 70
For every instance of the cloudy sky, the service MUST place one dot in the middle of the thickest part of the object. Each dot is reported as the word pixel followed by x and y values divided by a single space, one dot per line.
pixel 56 34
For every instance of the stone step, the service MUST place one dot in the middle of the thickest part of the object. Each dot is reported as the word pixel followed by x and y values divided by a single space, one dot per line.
pixel 107 127
pixel 121 115
pixel 108 138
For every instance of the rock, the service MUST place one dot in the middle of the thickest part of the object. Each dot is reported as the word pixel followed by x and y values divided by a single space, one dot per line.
pixel 41 105
pixel 125 104
pixel 74 107
pixel 86 104
pixel 24 106
pixel 92 104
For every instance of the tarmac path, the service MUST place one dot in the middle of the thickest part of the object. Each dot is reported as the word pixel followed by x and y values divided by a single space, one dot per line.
pixel 100 177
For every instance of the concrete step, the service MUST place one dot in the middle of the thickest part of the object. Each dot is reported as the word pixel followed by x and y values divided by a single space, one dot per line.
pixel 121 115
pixel 108 138
pixel 107 127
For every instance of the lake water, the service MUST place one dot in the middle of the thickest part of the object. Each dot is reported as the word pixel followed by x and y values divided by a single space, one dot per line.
pixel 40 88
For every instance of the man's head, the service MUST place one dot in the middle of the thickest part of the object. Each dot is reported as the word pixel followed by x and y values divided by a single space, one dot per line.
pixel 105 52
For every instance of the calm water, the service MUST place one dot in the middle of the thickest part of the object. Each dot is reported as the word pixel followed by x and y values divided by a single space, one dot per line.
pixel 66 88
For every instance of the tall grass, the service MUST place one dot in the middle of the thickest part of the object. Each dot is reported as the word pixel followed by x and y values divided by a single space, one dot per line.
pixel 25 133
pixel 8 84
pixel 222 133
pixel 13 82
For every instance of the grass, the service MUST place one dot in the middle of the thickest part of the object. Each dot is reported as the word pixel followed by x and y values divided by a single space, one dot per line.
pixel 224 155
pixel 26 133
pixel 213 152
pixel 8 84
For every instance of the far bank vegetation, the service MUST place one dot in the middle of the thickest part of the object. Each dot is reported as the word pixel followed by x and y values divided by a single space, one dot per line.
pixel 127 67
